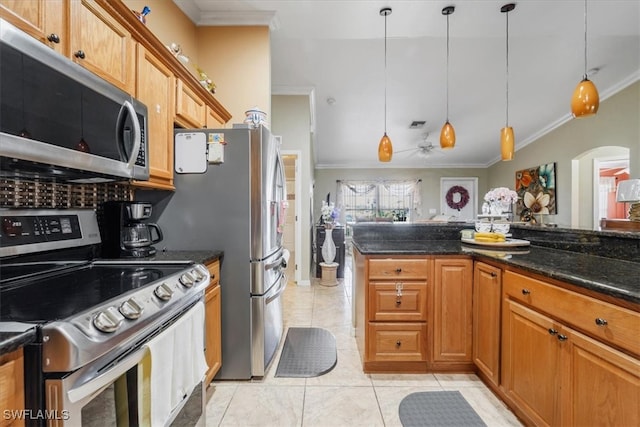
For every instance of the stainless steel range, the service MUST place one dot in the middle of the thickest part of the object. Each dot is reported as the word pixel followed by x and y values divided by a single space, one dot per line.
pixel 100 324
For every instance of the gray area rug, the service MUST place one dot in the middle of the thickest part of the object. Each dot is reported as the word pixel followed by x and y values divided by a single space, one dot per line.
pixel 438 408
pixel 307 352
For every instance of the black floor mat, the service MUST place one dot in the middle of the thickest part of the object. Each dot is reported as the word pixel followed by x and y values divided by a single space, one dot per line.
pixel 307 352
pixel 436 409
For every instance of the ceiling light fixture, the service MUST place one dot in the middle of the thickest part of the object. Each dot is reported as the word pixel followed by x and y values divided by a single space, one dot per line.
pixel 507 139
pixel 585 100
pixel 385 148
pixel 448 133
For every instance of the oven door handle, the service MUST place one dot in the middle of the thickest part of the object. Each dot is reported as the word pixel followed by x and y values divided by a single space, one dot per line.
pixel 88 383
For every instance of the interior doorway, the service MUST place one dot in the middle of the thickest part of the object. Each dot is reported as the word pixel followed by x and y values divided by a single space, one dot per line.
pixel 292 237
pixel 609 173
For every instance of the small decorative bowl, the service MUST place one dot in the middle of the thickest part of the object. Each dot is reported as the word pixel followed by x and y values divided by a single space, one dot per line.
pixel 501 227
pixel 483 227
pixel 255 117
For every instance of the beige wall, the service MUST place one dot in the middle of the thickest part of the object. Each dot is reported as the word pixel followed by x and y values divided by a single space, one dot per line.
pixel 616 124
pixel 292 121
pixel 170 25
pixel 326 183
pixel 238 60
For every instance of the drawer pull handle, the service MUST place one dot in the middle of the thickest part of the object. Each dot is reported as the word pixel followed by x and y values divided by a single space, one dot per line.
pixel 398 301
pixel 552 331
pixel 601 322
pixel 562 337
pixel 53 38
pixel 398 270
pixel 79 54
pixel 526 292
pixel 398 343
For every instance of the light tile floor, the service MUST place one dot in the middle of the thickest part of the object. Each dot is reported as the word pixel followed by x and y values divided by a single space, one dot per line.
pixel 344 396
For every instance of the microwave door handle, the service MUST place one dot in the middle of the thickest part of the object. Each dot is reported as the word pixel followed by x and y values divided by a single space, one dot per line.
pixel 137 135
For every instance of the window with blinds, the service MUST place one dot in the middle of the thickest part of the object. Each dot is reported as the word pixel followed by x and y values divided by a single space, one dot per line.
pixel 380 201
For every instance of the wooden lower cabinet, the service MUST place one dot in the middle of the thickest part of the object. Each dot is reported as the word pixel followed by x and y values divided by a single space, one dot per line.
pixel 530 363
pixel 487 296
pixel 451 314
pixel 213 330
pixel 555 375
pixel 391 295
pixel 11 388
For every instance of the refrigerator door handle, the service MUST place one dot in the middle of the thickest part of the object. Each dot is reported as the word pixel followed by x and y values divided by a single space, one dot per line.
pixel 280 290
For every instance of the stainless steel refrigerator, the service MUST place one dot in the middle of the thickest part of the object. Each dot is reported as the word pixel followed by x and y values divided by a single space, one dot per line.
pixel 238 206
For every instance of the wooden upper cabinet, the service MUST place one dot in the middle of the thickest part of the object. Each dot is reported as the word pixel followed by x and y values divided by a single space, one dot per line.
pixel 101 44
pixel 214 120
pixel 155 88
pixel 191 110
pixel 43 19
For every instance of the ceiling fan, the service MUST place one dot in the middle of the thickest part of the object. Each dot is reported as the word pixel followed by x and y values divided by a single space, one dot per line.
pixel 424 149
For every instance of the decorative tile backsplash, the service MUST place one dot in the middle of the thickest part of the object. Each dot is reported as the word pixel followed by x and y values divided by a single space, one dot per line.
pixel 19 193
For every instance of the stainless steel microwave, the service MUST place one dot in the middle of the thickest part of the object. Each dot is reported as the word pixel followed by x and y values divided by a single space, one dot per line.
pixel 59 121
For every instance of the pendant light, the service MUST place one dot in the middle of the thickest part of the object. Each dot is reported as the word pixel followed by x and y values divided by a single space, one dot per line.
pixel 585 100
pixel 507 139
pixel 385 148
pixel 448 133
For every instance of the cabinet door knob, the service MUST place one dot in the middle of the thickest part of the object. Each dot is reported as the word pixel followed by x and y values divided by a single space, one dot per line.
pixel 53 38
pixel 552 331
pixel 79 54
pixel 526 292
pixel 398 270
pixel 398 301
pixel 398 343
pixel 562 337
pixel 601 322
pixel 494 274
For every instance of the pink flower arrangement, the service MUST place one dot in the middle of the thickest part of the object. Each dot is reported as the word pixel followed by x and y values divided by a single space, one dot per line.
pixel 501 194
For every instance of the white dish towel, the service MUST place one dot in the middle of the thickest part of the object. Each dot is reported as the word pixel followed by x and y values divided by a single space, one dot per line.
pixel 177 363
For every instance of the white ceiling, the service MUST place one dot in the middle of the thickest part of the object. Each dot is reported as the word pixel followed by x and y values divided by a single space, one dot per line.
pixel 335 49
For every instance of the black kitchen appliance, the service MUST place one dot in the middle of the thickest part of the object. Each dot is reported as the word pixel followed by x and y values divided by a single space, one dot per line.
pixel 125 232
pixel 98 324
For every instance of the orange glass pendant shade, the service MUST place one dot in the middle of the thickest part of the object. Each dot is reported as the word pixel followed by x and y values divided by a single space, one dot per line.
pixel 385 149
pixel 507 143
pixel 585 100
pixel 447 136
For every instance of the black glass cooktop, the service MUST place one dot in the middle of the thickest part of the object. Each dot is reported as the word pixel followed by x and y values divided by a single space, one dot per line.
pixel 66 292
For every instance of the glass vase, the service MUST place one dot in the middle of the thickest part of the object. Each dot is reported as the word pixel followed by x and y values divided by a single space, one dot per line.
pixel 328 246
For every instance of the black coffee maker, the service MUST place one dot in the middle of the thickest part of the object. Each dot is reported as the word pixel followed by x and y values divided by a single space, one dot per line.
pixel 125 233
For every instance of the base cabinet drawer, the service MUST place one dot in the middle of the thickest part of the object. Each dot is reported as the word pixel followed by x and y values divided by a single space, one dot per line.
pixel 393 268
pixel 400 301
pixel 406 342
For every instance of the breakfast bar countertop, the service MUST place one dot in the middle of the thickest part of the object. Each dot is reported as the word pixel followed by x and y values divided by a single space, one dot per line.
pixel 610 276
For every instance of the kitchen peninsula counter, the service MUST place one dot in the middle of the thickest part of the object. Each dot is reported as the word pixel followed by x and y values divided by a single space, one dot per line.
pixel 608 276
pixel 570 256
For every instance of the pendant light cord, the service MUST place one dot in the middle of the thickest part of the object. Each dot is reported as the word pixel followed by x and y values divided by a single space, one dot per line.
pixel 585 39
pixel 385 73
pixel 447 68
pixel 507 69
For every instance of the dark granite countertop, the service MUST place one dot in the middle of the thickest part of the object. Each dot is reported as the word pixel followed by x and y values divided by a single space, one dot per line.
pixel 609 276
pixel 11 341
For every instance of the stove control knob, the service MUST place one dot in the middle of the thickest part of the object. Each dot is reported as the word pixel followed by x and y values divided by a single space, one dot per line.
pixel 163 292
pixel 108 320
pixel 187 280
pixel 198 274
pixel 131 309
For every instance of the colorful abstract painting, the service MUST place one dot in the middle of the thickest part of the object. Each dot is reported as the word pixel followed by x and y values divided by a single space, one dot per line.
pixel 536 188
